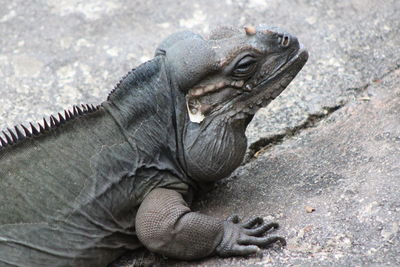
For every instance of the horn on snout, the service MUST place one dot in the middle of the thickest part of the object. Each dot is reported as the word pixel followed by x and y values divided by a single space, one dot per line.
pixel 250 30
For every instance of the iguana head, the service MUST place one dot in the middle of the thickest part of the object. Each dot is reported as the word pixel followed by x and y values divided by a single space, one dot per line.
pixel 223 81
pixel 232 73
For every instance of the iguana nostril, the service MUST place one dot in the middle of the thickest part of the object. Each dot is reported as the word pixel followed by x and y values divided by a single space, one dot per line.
pixel 285 40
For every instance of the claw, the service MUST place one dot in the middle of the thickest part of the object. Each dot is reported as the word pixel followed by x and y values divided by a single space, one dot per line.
pixel 260 230
pixel 244 250
pixel 261 241
pixel 276 239
pixel 282 241
pixel 252 222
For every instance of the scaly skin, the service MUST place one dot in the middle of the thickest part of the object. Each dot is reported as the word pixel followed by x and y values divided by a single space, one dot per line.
pixel 93 183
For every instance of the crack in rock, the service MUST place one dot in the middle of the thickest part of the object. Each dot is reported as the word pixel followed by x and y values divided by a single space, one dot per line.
pixel 263 144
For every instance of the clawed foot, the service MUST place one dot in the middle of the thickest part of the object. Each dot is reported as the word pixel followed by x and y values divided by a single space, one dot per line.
pixel 246 238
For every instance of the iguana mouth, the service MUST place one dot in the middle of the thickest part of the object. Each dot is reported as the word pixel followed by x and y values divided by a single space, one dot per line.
pixel 295 64
pixel 198 110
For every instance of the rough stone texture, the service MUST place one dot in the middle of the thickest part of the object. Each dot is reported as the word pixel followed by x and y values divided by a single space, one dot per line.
pixel 54 54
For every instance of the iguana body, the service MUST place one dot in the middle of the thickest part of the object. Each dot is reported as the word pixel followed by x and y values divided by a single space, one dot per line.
pixel 81 192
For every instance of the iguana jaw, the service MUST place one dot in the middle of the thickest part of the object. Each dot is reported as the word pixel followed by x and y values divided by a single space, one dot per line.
pixel 198 110
pixel 247 97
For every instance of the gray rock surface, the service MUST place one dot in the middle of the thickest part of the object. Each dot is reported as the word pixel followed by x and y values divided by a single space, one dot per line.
pixel 344 161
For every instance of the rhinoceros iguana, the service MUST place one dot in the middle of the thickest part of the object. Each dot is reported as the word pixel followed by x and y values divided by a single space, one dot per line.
pixel 83 187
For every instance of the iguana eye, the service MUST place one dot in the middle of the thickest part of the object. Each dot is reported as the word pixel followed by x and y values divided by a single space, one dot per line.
pixel 244 67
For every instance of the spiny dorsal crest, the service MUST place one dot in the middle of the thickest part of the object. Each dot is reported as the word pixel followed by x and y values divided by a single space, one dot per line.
pixel 119 83
pixel 11 137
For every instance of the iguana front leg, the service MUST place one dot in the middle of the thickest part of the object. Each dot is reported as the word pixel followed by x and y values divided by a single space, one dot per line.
pixel 166 225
